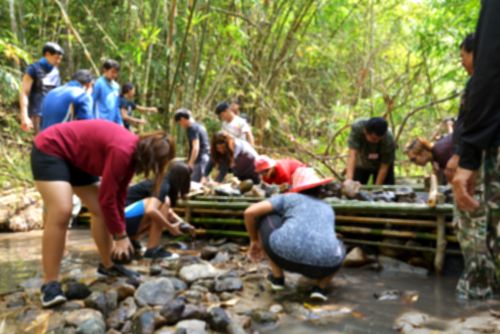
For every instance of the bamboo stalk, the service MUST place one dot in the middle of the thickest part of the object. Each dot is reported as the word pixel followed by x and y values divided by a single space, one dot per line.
pixel 441 244
pixel 212 211
pixel 387 244
pixel 433 192
pixel 383 220
pixel 222 233
pixel 388 233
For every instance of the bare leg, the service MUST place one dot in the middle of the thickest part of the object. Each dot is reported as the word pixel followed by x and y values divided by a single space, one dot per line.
pixel 156 226
pixel 277 271
pixel 56 197
pixel 100 233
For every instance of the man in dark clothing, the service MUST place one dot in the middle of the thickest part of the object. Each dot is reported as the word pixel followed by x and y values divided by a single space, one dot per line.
pixel 40 78
pixel 479 147
pixel 371 152
pixel 199 147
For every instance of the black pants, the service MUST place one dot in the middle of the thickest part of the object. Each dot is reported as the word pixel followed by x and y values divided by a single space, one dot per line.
pixel 363 175
pixel 267 226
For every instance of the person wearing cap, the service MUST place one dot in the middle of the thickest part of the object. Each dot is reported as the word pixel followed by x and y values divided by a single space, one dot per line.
pixel 296 232
pixel 199 146
pixel 71 101
pixel 276 171
pixel 39 79
pixel 235 155
pixel 233 124
pixel 371 152
pixel 106 93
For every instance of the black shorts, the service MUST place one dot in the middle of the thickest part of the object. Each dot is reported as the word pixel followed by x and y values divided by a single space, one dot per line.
pixel 46 167
pixel 267 226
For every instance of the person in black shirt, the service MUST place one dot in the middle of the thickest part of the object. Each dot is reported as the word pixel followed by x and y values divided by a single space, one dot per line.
pixel 199 147
pixel 127 106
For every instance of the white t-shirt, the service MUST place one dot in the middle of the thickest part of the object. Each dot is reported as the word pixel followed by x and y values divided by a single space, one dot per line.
pixel 237 128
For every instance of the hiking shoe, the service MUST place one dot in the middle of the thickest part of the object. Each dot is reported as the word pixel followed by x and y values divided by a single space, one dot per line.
pixel 160 253
pixel 116 270
pixel 319 294
pixel 276 283
pixel 52 294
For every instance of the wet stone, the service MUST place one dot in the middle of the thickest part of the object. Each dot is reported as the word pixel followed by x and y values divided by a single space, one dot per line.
pixel 76 290
pixel 221 257
pixel 144 322
pixel 155 292
pixel 264 316
pixel 218 319
pixel 193 296
pixel 355 258
pixel 192 311
pixel 209 252
pixel 124 312
pixel 230 248
pixel 71 306
pixel 199 288
pixel 92 326
pixel 78 317
pixel 276 308
pixel 97 300
pixel 15 300
pixel 226 296
pixel 113 331
pixel 124 290
pixel 195 272
pixel 172 311
pixel 155 270
pixel 207 283
pixel 228 283
pixel 391 265
pixel 165 330
pixel 191 327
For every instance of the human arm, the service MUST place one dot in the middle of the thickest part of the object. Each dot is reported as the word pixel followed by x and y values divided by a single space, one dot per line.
pixel 247 130
pixel 144 109
pixel 26 123
pixel 382 173
pixel 130 119
pixel 351 164
pixel 252 213
pixel 195 150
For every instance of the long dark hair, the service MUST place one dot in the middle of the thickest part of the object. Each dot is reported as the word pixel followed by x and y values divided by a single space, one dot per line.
pixel 179 179
pixel 219 138
pixel 126 88
pixel 153 153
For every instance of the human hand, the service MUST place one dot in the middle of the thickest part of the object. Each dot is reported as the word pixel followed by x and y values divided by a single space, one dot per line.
pixel 464 183
pixel 26 124
pixel 122 249
pixel 175 229
pixel 451 167
pixel 255 252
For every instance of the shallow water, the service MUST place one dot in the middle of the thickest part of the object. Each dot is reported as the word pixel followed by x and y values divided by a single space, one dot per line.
pixel 351 308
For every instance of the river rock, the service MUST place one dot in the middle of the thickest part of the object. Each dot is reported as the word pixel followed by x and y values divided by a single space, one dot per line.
pixel 155 292
pixel 355 258
pixel 76 290
pixel 410 321
pixel 123 289
pixel 124 312
pixel 218 319
pixel 15 300
pixel 78 317
pixel 221 257
pixel 230 248
pixel 92 326
pixel 155 270
pixel 209 252
pixel 208 283
pixel 276 308
pixel 102 301
pixel 391 265
pixel 165 330
pixel 144 321
pixel 113 331
pixel 179 285
pixel 264 316
pixel 296 310
pixel 192 326
pixel 172 311
pixel 228 284
pixel 194 296
pixel 192 311
pixel 195 272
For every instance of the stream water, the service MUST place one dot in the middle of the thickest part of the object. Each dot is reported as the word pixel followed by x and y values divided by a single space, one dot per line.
pixel 352 306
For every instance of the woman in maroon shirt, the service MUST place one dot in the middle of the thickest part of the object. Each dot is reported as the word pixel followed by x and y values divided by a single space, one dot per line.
pixel 68 158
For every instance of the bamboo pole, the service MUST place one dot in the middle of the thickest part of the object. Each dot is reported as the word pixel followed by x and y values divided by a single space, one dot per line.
pixel 433 192
pixel 388 244
pixel 388 233
pixel 392 221
pixel 440 244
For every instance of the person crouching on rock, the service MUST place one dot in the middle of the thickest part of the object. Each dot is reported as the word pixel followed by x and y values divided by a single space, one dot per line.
pixel 147 214
pixel 69 157
pixel 296 231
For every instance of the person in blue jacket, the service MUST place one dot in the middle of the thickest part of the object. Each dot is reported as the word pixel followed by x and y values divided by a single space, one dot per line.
pixel 69 102
pixel 39 79
pixel 106 93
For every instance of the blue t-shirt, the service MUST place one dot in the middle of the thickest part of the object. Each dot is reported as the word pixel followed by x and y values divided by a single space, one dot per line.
pixel 66 103
pixel 45 78
pixel 105 97
pixel 129 106
pixel 308 233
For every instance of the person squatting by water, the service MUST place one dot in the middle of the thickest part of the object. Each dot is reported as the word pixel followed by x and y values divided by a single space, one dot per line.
pixel 40 78
pixel 294 236
pixel 480 151
pixel 199 145
pixel 148 214
pixel 69 157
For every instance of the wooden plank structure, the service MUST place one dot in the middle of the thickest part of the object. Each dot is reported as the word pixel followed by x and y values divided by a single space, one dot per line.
pixel 364 223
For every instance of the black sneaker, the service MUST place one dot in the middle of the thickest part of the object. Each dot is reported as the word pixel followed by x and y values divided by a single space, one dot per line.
pixel 160 253
pixel 116 270
pixel 52 294
pixel 276 283
pixel 319 294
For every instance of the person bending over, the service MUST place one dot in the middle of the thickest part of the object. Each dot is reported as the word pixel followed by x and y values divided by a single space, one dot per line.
pixel 68 158
pixel 421 152
pixel 296 231
pixel 146 214
pixel 371 152
pixel 278 172
pixel 233 154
